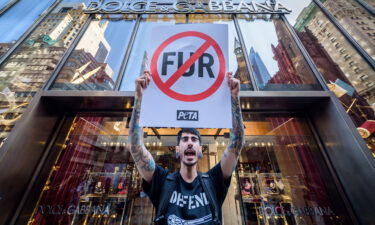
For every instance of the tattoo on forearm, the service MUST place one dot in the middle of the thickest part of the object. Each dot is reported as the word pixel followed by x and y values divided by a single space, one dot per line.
pixel 142 158
pixel 135 131
pixel 237 132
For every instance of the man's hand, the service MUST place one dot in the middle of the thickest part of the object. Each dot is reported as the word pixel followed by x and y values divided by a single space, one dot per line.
pixel 141 83
pixel 234 85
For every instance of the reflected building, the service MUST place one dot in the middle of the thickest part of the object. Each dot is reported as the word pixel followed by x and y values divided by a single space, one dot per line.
pixel 356 20
pixel 360 111
pixel 83 72
pixel 26 70
pixel 86 68
pixel 370 3
pixel 292 71
pixel 287 73
pixel 259 68
pixel 62 25
pixel 241 72
pixel 4 47
pixel 94 42
pixel 357 71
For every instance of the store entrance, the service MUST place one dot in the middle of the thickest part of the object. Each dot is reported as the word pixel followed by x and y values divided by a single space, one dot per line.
pixel 282 177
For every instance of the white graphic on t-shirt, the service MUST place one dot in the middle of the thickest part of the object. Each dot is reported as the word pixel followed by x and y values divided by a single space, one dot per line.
pixel 193 201
pixel 175 220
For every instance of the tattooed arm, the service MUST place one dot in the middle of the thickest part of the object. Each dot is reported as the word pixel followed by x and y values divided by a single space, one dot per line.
pixel 142 157
pixel 233 150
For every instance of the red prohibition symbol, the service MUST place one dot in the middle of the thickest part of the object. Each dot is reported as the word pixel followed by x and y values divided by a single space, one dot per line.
pixel 165 87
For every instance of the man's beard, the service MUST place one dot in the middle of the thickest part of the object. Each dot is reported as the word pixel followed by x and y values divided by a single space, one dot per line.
pixel 189 164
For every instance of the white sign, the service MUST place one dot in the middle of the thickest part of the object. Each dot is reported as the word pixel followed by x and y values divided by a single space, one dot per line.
pixel 188 88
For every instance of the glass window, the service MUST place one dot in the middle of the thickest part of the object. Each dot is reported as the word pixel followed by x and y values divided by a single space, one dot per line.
pixel 3 3
pixel 370 3
pixel 345 71
pixel 138 61
pixel 275 58
pixel 32 63
pixel 236 63
pixel 95 62
pixel 18 18
pixel 356 20
pixel 282 178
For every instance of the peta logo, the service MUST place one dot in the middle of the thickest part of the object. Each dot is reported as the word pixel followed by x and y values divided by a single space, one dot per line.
pixel 190 115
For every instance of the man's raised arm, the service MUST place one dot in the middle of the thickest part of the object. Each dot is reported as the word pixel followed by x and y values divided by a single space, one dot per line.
pixel 142 157
pixel 233 150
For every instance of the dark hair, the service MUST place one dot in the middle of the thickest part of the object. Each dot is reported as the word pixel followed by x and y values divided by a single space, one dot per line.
pixel 189 131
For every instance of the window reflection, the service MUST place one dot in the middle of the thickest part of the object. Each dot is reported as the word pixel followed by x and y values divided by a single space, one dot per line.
pixel 29 67
pixel 236 62
pixel 275 58
pixel 96 61
pixel 370 3
pixel 3 3
pixel 347 74
pixel 359 23
pixel 139 58
pixel 18 18
pixel 297 7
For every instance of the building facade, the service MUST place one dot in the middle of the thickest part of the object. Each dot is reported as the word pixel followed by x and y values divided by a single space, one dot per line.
pixel 307 97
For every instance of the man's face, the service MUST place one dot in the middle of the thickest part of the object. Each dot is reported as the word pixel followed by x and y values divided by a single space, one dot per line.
pixel 189 149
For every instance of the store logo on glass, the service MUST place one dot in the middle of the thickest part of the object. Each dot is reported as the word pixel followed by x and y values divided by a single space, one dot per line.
pixel 186 6
pixel 188 115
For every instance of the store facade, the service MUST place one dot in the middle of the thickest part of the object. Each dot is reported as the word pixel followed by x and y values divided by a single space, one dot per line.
pixel 67 91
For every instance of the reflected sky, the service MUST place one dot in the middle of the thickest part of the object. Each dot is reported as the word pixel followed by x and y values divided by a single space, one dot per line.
pixel 106 41
pixel 20 17
pixel 296 7
pixel 232 35
pixel 117 34
pixel 259 35
pixel 134 67
pixel 3 3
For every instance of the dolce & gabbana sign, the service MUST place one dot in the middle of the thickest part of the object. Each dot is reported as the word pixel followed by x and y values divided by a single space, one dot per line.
pixel 249 7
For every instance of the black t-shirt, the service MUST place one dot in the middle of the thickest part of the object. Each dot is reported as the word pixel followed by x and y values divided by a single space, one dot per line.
pixel 188 203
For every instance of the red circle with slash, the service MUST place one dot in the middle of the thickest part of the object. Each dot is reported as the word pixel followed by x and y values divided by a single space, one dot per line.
pixel 165 87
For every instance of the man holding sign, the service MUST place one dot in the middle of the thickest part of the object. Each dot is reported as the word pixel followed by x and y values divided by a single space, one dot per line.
pixel 186 197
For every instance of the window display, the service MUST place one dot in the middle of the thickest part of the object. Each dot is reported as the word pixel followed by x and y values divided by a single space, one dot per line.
pixel 282 176
pixel 280 179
